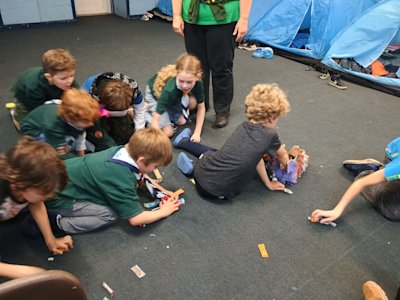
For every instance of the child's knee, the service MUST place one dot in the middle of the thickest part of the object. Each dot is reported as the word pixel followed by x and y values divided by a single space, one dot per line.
pixel 168 130
pixel 108 215
pixel 181 121
pixel 192 103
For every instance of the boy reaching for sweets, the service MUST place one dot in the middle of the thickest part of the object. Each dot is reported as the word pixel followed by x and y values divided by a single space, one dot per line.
pixel 224 173
pixel 102 186
pixel 31 172
pixel 378 184
pixel 38 85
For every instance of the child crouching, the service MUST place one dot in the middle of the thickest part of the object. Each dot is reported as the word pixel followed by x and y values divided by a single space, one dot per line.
pixel 31 172
pixel 62 124
pixel 102 186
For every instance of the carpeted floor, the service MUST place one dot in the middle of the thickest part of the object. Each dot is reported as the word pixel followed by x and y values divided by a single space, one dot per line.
pixel 209 250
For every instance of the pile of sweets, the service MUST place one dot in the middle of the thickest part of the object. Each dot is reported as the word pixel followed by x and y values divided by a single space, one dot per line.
pixel 297 165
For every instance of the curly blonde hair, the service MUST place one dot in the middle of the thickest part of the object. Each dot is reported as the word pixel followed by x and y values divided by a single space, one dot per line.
pixel 266 102
pixel 151 143
pixel 78 105
pixel 58 60
pixel 186 62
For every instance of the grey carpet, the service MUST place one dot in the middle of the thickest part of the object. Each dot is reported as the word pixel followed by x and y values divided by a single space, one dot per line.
pixel 209 250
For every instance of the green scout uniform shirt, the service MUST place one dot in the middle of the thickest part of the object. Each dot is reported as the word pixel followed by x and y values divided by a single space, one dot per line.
pixel 45 120
pixel 171 96
pixel 95 179
pixel 206 17
pixel 33 89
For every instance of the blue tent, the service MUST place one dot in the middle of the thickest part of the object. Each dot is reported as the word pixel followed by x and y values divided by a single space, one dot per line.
pixel 278 23
pixel 366 39
pixel 358 30
pixel 165 6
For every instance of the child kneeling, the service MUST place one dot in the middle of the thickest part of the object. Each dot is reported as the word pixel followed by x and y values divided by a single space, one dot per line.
pixel 102 186
pixel 63 124
pixel 173 92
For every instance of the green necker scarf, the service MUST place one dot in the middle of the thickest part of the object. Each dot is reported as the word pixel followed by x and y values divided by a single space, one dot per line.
pixel 217 8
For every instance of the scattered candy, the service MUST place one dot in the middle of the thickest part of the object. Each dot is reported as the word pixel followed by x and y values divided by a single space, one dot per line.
pixel 108 289
pixel 317 220
pixel 10 105
pixel 263 250
pixel 138 271
pixel 288 191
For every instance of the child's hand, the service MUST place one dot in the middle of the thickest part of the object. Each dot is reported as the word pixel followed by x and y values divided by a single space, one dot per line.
pixel 131 113
pixel 178 25
pixel 195 138
pixel 325 215
pixel 80 152
pixel 169 206
pixel 171 195
pixel 276 186
pixel 60 245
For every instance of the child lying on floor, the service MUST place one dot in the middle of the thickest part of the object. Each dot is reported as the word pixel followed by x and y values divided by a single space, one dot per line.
pixel 378 184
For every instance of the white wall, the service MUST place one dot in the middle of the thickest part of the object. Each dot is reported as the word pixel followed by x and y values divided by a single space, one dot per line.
pixel 92 7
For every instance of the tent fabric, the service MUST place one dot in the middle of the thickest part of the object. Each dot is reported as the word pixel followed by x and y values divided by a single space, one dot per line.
pixel 395 82
pixel 358 29
pixel 165 6
pixel 273 27
pixel 277 25
pixel 368 36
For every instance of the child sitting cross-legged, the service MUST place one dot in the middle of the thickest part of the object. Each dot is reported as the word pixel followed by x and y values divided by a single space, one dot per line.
pixel 62 124
pixel 102 186
pixel 224 173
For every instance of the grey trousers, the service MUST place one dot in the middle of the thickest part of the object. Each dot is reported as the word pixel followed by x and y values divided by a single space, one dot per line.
pixel 86 216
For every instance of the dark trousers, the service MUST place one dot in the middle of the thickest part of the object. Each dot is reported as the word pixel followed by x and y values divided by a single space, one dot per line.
pixel 193 148
pixel 198 150
pixel 214 46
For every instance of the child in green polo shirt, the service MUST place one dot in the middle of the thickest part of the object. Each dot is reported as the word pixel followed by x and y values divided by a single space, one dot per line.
pixel 30 173
pixel 173 92
pixel 37 85
pixel 62 124
pixel 102 186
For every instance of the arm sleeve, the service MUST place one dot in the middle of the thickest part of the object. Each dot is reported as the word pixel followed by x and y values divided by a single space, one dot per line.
pixel 198 91
pixel 139 118
pixel 392 170
pixel 80 142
